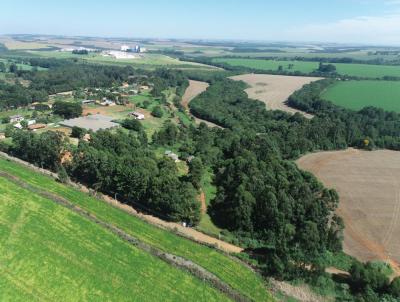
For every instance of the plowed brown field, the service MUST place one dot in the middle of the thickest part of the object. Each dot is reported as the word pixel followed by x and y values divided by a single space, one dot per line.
pixel 274 90
pixel 368 184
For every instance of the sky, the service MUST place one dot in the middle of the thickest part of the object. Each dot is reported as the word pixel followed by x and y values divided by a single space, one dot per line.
pixel 337 21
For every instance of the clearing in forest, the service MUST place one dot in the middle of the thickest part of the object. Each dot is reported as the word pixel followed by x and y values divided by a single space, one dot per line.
pixel 196 88
pixel 274 90
pixel 368 184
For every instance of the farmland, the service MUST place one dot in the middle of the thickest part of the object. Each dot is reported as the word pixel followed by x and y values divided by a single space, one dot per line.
pixel 274 90
pixel 148 61
pixel 367 183
pixel 356 70
pixel 82 260
pixel 359 94
pixel 227 269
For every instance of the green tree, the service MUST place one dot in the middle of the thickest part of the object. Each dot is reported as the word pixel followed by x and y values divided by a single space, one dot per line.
pixel 394 288
pixel 67 109
pixel 157 112
pixel 24 124
pixel 77 132
pixel 196 170
pixel 132 124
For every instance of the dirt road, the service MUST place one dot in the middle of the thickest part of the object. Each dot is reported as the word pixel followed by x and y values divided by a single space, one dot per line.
pixel 368 184
pixel 274 90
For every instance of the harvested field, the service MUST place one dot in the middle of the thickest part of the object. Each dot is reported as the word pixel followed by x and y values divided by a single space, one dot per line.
pixel 274 90
pixel 195 88
pixel 368 184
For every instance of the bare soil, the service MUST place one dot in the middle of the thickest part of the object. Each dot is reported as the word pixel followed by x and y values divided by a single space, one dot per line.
pixel 195 88
pixel 274 90
pixel 368 184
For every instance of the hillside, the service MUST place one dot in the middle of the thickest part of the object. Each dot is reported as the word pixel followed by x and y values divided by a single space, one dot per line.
pixel 84 260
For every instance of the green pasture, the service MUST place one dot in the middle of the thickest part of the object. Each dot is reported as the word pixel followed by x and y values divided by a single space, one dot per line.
pixel 226 268
pixel 358 70
pixel 359 94
pixel 49 253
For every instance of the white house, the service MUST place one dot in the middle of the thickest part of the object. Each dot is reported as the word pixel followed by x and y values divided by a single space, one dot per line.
pixel 107 103
pixel 172 156
pixel 137 115
pixel 16 118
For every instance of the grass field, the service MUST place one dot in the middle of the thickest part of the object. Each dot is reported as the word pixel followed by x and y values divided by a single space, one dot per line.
pixel 229 270
pixel 70 258
pixel 359 94
pixel 359 70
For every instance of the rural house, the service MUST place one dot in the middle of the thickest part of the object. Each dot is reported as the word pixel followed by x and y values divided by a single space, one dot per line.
pixel 172 156
pixel 16 118
pixel 137 115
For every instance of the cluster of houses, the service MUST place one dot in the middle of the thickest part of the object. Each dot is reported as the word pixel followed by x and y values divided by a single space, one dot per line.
pixel 31 124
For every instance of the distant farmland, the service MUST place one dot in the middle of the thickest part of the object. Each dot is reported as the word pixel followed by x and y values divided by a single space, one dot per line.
pixel 359 94
pixel 358 70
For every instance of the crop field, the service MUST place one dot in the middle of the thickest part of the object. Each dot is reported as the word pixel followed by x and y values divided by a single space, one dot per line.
pixel 359 94
pixel 369 190
pixel 274 90
pixel 359 70
pixel 227 269
pixel 49 253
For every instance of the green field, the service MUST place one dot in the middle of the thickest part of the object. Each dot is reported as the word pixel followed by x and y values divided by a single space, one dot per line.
pixel 49 253
pixel 227 269
pixel 359 70
pixel 149 61
pixel 359 94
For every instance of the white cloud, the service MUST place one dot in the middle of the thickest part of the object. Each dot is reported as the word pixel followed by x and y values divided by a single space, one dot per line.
pixel 363 29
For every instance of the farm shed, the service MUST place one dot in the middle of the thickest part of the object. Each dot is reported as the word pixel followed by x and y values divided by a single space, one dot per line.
pixel 137 115
pixel 34 127
pixel 91 122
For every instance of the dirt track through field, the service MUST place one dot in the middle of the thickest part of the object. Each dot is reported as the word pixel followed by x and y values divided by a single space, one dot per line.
pixel 274 90
pixel 368 184
pixel 195 88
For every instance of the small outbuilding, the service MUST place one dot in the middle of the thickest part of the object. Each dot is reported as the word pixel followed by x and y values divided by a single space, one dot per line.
pixel 137 115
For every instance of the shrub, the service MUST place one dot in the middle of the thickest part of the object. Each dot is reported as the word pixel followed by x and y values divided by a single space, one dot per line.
pixel 157 112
